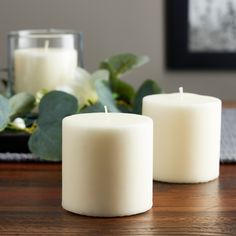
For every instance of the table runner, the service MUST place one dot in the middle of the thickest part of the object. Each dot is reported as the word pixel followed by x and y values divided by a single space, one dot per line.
pixel 228 142
pixel 228 136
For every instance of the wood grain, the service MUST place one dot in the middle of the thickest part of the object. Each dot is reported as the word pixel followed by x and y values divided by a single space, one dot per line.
pixel 30 204
pixel 229 104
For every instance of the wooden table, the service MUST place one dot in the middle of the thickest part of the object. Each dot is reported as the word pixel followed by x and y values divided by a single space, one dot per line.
pixel 30 204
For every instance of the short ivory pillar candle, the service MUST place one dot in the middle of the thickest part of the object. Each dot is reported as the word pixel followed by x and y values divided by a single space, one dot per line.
pixel 43 68
pixel 107 164
pixel 186 136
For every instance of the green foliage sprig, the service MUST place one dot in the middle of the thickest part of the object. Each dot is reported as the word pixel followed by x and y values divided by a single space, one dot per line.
pixel 45 126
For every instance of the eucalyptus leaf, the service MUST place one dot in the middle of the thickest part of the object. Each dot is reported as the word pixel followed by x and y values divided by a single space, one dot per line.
pixel 4 112
pixel 123 63
pixel 21 104
pixel 120 64
pixel 112 74
pixel 54 106
pixel 46 141
pixel 125 91
pixel 125 108
pixel 98 107
pixel 147 88
pixel 105 95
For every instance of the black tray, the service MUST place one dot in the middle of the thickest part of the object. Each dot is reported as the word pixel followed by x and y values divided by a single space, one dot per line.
pixel 15 142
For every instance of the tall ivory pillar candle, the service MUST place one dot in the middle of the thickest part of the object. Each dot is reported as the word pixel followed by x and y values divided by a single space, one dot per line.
pixel 186 136
pixel 43 68
pixel 107 164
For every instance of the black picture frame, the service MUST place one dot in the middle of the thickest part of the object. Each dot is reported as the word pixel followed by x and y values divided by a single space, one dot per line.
pixel 178 57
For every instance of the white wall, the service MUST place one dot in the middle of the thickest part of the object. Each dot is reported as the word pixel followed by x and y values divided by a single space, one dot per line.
pixel 114 26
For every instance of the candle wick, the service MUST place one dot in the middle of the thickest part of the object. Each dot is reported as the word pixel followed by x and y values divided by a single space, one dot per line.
pixel 105 108
pixel 46 44
pixel 181 92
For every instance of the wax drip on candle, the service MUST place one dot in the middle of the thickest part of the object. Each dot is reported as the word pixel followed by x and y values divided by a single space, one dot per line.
pixel 181 92
pixel 46 45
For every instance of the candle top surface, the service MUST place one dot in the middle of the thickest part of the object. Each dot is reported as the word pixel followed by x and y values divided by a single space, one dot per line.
pixel 114 120
pixel 181 99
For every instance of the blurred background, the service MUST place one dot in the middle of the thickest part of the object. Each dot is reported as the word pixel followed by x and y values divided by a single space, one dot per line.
pixel 111 27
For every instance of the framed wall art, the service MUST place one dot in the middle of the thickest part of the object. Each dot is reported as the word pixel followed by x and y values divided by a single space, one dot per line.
pixel 201 34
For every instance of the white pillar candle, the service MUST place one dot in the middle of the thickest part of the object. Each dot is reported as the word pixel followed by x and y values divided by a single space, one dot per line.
pixel 43 68
pixel 186 136
pixel 107 164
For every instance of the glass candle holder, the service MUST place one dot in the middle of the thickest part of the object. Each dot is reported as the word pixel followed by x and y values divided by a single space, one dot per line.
pixel 42 59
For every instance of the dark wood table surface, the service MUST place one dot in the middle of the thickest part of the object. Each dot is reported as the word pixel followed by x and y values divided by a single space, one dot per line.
pixel 30 204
